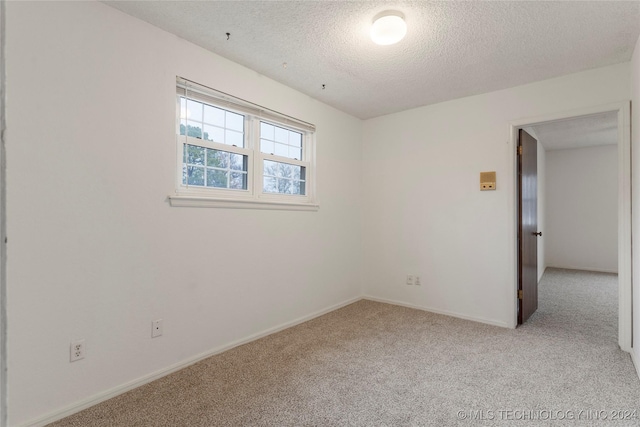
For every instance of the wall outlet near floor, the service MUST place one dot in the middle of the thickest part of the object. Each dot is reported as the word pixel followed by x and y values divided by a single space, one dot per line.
pixel 417 281
pixel 410 279
pixel 77 350
pixel 156 328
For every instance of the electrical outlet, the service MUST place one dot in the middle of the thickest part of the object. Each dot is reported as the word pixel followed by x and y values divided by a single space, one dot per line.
pixel 77 350
pixel 410 279
pixel 417 281
pixel 156 328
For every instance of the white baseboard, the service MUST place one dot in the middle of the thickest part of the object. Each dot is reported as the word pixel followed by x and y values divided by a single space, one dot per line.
pixel 597 270
pixel 108 394
pixel 444 312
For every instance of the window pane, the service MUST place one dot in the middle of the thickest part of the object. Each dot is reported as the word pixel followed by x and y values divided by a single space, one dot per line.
pixel 216 178
pixel 295 139
pixel 266 131
pixel 238 181
pixel 235 121
pixel 195 155
pixel 295 153
pixel 195 175
pixel 194 129
pixel 194 110
pixel 270 168
pixel 234 138
pixel 284 170
pixel 238 162
pixel 213 115
pixel 267 146
pixel 281 150
pixel 269 185
pixel 284 186
pixel 213 133
pixel 217 158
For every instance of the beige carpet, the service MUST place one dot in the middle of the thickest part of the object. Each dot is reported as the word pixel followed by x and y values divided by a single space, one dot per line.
pixel 373 364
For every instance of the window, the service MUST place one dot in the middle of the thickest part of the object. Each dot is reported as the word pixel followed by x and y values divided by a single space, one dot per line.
pixel 232 153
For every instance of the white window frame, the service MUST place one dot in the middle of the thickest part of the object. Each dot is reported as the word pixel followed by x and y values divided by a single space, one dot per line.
pixel 253 197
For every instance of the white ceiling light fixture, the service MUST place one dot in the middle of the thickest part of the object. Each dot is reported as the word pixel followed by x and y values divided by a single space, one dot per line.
pixel 388 28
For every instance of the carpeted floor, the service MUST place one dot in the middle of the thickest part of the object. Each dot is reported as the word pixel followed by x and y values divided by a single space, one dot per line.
pixel 373 364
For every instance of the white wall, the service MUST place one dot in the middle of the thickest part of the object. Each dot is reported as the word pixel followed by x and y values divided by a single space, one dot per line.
pixel 542 209
pixel 424 212
pixel 635 197
pixel 582 208
pixel 95 250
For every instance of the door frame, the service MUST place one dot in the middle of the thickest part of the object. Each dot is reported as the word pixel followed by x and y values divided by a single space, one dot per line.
pixel 623 111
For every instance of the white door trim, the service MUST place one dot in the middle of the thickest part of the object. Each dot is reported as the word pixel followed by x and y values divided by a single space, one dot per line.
pixel 623 110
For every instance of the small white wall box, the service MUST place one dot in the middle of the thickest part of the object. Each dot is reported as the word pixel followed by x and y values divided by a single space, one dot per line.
pixel 487 181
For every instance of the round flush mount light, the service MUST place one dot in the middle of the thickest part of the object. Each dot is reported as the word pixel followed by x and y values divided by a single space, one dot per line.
pixel 388 28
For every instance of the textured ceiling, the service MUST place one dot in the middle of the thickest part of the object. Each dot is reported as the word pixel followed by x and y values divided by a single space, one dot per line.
pixel 580 132
pixel 452 49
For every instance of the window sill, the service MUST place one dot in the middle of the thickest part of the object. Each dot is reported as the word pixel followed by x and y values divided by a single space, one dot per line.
pixel 209 202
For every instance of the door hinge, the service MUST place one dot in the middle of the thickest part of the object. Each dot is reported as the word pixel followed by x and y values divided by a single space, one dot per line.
pixel 519 150
pixel 520 294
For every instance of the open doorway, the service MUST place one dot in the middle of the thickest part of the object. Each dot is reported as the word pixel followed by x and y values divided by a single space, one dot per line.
pixel 578 177
pixel 605 122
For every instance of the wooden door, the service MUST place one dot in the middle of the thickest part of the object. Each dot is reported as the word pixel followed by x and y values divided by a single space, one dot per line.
pixel 527 226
